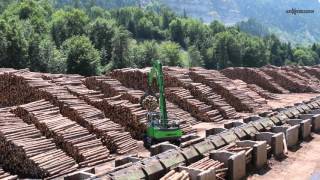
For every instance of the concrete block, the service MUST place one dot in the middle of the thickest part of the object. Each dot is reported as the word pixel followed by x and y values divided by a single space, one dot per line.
pixel 259 153
pixel 288 113
pixel 162 147
pixel 214 131
pixel 204 147
pixel 239 133
pixel 275 140
pixel 275 120
pixel 228 137
pixel 282 117
pixel 153 168
pixel 315 120
pixel 232 124
pixel 257 125
pixel 291 133
pixel 217 141
pixel 266 123
pixel 171 159
pixel 134 172
pixel 304 129
pixel 249 130
pixel 295 112
pixel 191 155
pixel 235 162
pixel 127 159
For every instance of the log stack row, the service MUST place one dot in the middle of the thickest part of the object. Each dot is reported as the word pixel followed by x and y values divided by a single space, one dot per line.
pixel 292 84
pixel 254 76
pixel 120 93
pixel 225 87
pixel 74 139
pixel 263 93
pixel 76 109
pixel 312 71
pixel 7 176
pixel 198 109
pixel 25 152
pixel 180 77
pixel 299 71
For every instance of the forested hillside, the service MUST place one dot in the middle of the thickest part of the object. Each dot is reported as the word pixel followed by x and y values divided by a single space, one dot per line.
pixel 299 28
pixel 90 38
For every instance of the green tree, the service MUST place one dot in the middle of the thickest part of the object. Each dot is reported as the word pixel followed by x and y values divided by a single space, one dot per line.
pixel 304 57
pixel 66 24
pixel 195 58
pixel 101 34
pixel 177 32
pixel 81 56
pixel 120 48
pixel 169 53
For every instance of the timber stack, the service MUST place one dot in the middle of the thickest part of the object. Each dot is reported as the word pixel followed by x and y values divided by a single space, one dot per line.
pixel 254 76
pixel 74 139
pixel 25 152
pixel 198 109
pixel 225 87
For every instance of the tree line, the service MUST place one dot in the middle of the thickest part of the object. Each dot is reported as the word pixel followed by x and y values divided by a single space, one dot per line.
pixel 90 40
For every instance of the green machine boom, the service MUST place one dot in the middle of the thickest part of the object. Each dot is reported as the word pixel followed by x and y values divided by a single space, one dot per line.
pixel 159 127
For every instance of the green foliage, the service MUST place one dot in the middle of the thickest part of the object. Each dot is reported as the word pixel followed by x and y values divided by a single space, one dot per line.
pixel 169 53
pixel 66 24
pixel 87 39
pixel 81 56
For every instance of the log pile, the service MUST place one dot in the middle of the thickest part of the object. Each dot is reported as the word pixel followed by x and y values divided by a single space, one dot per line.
pixel 260 102
pixel 174 175
pixel 26 153
pixel 7 176
pixel 180 77
pixel 313 71
pixel 131 116
pixel 76 109
pixel 225 87
pixel 263 93
pixel 198 109
pixel 74 139
pixel 299 70
pixel 207 163
pixel 254 76
pixel 134 96
pixel 313 83
pixel 288 82
pixel 132 78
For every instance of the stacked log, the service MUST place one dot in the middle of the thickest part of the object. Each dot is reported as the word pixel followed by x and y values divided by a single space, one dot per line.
pixel 299 70
pixel 180 77
pixel 7 176
pixel 263 93
pixel 288 82
pixel 26 153
pixel 71 106
pixel 134 96
pixel 174 175
pixel 74 139
pixel 225 87
pixel 132 78
pixel 260 102
pixel 12 87
pixel 207 163
pixel 131 116
pixel 313 71
pixel 198 109
pixel 254 76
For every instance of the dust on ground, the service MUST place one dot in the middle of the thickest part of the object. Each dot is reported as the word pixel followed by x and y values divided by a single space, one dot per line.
pixel 290 99
pixel 304 163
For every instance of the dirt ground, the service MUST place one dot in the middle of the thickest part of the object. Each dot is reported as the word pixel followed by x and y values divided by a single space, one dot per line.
pixel 303 163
